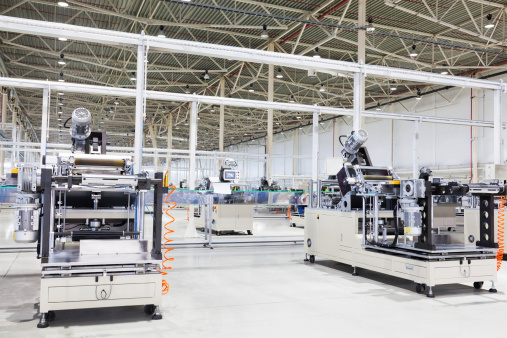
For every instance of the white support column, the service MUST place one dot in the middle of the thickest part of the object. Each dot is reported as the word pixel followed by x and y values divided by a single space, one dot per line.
pixel 361 48
pixel 315 148
pixel 192 144
pixel 44 125
pixel 191 232
pixel 269 136
pixel 3 112
pixel 358 100
pixel 415 151
pixel 475 94
pixel 169 144
pixel 222 119
pixel 497 134
pixel 295 152
pixel 14 156
pixel 139 118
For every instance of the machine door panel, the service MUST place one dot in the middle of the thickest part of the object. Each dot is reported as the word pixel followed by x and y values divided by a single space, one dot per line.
pixel 347 231
pixel 327 235
pixel 244 217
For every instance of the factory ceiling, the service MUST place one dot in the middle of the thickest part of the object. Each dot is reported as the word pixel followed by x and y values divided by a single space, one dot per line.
pixel 460 37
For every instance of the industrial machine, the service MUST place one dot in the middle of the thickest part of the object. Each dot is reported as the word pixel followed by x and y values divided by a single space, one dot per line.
pixel 403 227
pixel 229 215
pixel 86 213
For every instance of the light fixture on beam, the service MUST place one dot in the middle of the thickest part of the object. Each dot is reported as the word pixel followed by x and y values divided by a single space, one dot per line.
pixel 291 100
pixel 133 76
pixel 212 109
pixel 187 89
pixel 316 54
pixel 393 86
pixel 60 77
pixel 489 23
pixel 264 33
pixel 378 106
pixel 251 88
pixel 322 88
pixel 279 75
pixel 419 95
pixel 369 27
pixel 206 75
pixel 62 60
pixel 61 38
pixel 161 33
pixel 63 3
pixel 413 53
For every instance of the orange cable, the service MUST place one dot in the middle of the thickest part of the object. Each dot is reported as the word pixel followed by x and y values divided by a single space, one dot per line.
pixel 500 235
pixel 171 205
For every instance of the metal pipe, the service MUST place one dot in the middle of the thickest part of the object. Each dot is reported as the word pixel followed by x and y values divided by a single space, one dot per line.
pixel 140 214
pixel 497 133
pixel 310 195
pixel 315 148
pixel 139 118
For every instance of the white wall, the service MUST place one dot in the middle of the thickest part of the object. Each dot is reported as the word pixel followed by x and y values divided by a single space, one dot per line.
pixel 440 145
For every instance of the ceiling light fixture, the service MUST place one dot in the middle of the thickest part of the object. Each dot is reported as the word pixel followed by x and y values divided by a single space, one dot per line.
pixel 212 108
pixel 489 23
pixel 62 60
pixel 419 95
pixel 206 75
pixel 279 75
pixel 187 89
pixel 316 55
pixel 133 76
pixel 63 3
pixel 378 106
pixel 60 77
pixel 369 27
pixel 413 53
pixel 251 89
pixel 62 39
pixel 291 100
pixel 161 33
pixel 393 85
pixel 322 88
pixel 264 33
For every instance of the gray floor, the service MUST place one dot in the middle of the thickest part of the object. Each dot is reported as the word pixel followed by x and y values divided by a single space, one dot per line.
pixel 260 291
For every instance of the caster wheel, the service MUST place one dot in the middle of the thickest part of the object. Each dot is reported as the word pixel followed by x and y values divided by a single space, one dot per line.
pixel 420 288
pixel 312 259
pixel 249 232
pixel 51 316
pixel 149 309
pixel 478 285
pixel 156 317
pixel 42 325
pixel 218 233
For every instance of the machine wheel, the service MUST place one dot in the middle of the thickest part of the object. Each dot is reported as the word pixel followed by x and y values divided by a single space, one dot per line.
pixel 51 316
pixel 420 288
pixel 249 232
pixel 478 285
pixel 149 309
pixel 312 259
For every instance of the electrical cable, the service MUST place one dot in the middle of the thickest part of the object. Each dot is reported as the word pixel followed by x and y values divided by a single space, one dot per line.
pixel 500 232
pixel 171 205
pixel 65 123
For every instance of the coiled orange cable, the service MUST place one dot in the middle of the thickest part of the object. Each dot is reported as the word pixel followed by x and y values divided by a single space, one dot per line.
pixel 171 205
pixel 500 233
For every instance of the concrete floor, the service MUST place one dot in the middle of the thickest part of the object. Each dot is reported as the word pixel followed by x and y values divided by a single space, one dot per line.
pixel 260 291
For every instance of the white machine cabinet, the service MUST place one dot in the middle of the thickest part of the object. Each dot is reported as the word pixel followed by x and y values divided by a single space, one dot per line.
pixel 336 235
pixel 232 217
